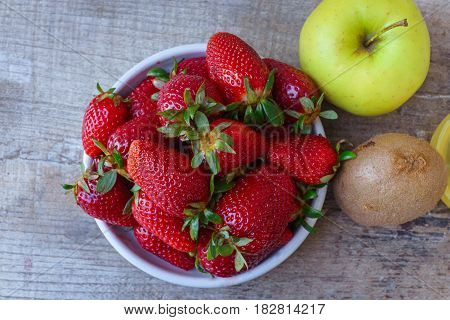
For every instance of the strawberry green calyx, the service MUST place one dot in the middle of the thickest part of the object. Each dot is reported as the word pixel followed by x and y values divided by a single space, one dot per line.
pixel 112 160
pixel 110 94
pixel 192 124
pixel 343 156
pixel 258 109
pixel 198 215
pixel 134 198
pixel 224 244
pixel 162 76
pixel 159 74
pixel 312 110
pixel 86 174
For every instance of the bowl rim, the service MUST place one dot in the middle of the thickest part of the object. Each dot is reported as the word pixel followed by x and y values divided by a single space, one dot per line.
pixel 271 262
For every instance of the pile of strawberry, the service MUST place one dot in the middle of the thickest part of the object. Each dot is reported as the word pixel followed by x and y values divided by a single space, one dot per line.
pixel 213 163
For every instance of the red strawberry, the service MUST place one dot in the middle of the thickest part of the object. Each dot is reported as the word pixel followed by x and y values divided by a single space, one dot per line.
pixel 152 244
pixel 166 176
pixel 107 206
pixel 248 145
pixel 105 113
pixel 141 101
pixel 244 78
pixel 308 158
pixel 290 85
pixel 273 134
pixel 171 95
pixel 193 66
pixel 166 227
pixel 223 266
pixel 141 128
pixel 230 59
pixel 286 237
pixel 259 207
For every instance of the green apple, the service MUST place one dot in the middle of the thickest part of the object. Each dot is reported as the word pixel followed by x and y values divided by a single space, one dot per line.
pixel 368 56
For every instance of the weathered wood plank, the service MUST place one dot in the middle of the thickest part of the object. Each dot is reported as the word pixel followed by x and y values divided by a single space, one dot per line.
pixel 49 62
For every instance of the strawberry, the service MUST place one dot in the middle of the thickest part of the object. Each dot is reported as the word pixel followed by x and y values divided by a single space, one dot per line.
pixel 259 207
pixel 166 227
pixel 141 102
pixel 193 66
pixel 166 176
pixel 297 94
pixel 244 78
pixel 290 85
pixel 286 237
pixel 152 244
pixel 107 205
pixel 172 95
pixel 105 113
pixel 247 144
pixel 141 128
pixel 225 264
pixel 309 158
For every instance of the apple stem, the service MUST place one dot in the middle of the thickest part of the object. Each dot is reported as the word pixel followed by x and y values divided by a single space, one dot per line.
pixel 401 23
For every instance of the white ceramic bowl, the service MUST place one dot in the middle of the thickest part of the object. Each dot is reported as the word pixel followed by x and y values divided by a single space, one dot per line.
pixel 123 240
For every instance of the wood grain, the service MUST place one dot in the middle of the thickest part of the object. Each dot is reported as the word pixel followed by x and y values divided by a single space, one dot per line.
pixel 51 55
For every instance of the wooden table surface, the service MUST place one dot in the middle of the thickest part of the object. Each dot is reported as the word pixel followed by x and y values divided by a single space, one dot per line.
pixel 52 52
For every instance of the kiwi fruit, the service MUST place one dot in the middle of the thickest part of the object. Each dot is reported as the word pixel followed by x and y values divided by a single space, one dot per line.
pixel 395 178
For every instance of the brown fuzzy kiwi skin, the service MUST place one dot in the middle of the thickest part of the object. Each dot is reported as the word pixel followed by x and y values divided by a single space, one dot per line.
pixel 394 179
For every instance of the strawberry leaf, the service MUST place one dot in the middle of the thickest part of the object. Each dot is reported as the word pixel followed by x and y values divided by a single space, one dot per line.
pixel 198 266
pixel 213 162
pixel 107 182
pixel 310 194
pixel 68 186
pixel 347 155
pixel 223 146
pixel 310 212
pixel 200 96
pixel 241 241
pixel 211 186
pixel 212 216
pixel 226 250
pixel 154 96
pixel 127 208
pixel 306 226
pixel 233 106
pixel 307 104
pixel 100 166
pixel 158 73
pixel 329 114
pixel 197 159
pixel 327 178
pixel 223 186
pixel 188 97
pixel 239 261
pixel 84 186
pixel 250 93
pixel 221 126
pixel 118 158
pixel 100 145
pixel 259 113
pixel 211 251
pixel 194 227
pixel 201 122
pixel 227 139
pixel 186 222
pixel 135 188
pixel 273 113
pixel 269 84
pixel 99 88
pixel 293 113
